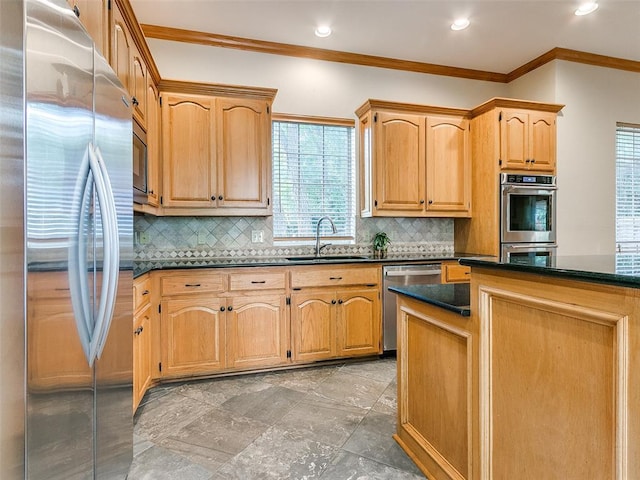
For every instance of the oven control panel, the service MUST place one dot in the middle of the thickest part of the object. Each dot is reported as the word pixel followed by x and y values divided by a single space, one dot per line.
pixel 512 178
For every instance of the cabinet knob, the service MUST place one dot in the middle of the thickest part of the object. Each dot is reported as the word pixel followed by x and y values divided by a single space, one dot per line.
pixel 134 100
pixel 150 192
pixel 333 302
pixel 230 308
pixel 533 160
pixel 222 309
pixel 527 161
pixel 220 197
pixel 340 301
pixel 146 292
pixel 430 202
pixel 421 202
pixel 76 10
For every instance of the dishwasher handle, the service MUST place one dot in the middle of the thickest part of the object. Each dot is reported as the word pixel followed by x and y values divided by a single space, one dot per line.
pixel 412 272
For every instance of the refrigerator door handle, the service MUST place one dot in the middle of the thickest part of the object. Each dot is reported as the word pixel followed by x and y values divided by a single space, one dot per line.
pixel 79 288
pixel 111 252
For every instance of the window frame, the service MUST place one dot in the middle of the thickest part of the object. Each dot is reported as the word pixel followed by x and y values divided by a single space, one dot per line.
pixel 322 121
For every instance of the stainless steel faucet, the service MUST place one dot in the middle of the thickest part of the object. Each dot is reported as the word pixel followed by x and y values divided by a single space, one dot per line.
pixel 333 227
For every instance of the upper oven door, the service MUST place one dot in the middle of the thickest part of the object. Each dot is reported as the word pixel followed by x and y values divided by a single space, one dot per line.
pixel 528 214
pixel 139 164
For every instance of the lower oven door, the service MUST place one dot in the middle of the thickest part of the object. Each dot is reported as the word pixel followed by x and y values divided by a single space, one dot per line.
pixel 535 254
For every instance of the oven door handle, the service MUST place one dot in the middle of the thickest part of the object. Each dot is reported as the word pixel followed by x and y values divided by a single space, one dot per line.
pixel 412 273
pixel 528 188
pixel 523 246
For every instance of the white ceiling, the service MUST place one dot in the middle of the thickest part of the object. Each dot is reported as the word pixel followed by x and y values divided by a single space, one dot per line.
pixel 504 34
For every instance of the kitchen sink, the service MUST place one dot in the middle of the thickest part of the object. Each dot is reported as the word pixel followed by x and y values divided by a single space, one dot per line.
pixel 327 258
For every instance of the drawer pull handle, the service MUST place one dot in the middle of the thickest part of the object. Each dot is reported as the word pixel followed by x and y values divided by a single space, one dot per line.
pixel 146 292
pixel 258 281
pixel 192 285
pixel 335 278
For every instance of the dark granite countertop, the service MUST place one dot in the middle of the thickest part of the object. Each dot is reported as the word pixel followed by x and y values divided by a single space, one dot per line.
pixel 620 269
pixel 144 266
pixel 453 297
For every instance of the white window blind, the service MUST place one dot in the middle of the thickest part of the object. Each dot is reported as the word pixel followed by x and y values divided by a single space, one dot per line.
pixel 313 176
pixel 627 187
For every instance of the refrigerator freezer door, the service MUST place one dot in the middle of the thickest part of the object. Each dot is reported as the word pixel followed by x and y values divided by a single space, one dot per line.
pixel 59 125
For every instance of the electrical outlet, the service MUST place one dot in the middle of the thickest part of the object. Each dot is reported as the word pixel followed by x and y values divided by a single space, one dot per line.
pixel 202 237
pixel 143 238
pixel 257 236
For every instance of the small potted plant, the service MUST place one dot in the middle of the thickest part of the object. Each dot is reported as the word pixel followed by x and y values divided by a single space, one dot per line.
pixel 380 243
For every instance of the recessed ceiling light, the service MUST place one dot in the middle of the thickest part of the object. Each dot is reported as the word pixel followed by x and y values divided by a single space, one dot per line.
pixel 460 24
pixel 323 31
pixel 587 8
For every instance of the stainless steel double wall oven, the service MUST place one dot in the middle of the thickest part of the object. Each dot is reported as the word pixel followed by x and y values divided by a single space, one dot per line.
pixel 528 217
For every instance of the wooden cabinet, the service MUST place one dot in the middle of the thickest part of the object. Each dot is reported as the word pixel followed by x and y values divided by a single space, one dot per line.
pixel 128 63
pixel 219 320
pixel 153 143
pixel 94 16
pixel 504 134
pixel 437 396
pixel 216 152
pixel 142 338
pixel 335 312
pixel 527 140
pixel 453 272
pixel 414 160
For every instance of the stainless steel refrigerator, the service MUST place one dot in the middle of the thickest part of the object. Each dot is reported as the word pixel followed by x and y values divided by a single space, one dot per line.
pixel 66 245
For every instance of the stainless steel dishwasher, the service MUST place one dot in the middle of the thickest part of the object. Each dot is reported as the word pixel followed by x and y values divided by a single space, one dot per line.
pixel 393 275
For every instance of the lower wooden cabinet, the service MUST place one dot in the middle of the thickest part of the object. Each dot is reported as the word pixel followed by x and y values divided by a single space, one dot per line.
pixel 336 323
pixel 453 272
pixel 257 334
pixel 141 354
pixel 193 336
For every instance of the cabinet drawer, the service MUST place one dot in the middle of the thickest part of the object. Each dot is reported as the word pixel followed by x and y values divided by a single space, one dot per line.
pixel 141 292
pixel 454 272
pixel 257 281
pixel 328 277
pixel 192 284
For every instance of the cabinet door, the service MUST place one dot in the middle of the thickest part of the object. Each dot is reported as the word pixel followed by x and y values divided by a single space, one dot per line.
pixel 400 162
pixel 313 326
pixel 514 139
pixel 188 151
pixel 121 47
pixel 138 87
pixel 94 15
pixel 193 336
pixel 243 153
pixel 153 143
pixel 359 322
pixel 542 141
pixel 448 165
pixel 141 355
pixel 257 331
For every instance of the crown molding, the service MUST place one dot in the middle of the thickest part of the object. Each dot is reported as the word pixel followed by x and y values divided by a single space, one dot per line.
pixel 274 48
pixel 217 90
pixel 260 46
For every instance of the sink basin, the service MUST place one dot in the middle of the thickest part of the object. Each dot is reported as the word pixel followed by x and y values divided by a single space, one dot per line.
pixel 327 258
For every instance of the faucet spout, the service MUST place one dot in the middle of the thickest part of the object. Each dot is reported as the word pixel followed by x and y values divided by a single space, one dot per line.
pixel 333 228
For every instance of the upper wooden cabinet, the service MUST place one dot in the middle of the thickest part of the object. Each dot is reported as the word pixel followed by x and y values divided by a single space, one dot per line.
pixel 216 150
pixel 153 143
pixel 128 63
pixel 527 140
pixel 94 16
pixel 414 160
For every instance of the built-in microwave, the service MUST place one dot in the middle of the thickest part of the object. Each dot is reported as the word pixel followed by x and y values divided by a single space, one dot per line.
pixel 527 208
pixel 139 164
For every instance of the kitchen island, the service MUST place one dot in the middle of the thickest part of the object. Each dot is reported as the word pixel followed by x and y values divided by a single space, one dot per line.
pixel 541 381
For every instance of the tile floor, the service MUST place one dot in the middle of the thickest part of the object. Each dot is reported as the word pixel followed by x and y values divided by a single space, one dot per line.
pixel 330 423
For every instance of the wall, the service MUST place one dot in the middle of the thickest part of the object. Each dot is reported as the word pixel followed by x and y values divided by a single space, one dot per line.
pixel 595 98
pixel 305 87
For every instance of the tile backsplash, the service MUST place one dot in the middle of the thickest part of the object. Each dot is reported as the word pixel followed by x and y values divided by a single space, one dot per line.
pixel 168 237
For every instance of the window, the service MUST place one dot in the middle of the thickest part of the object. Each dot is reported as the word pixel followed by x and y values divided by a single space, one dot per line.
pixel 627 187
pixel 313 176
